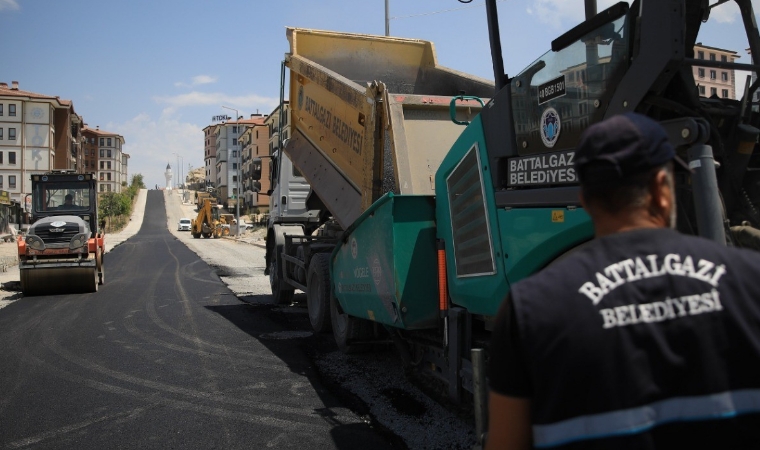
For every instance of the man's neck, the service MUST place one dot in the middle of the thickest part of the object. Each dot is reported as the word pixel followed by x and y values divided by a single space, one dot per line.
pixel 628 220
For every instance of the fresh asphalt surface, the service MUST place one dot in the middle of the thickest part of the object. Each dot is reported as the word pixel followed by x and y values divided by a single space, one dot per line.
pixel 163 356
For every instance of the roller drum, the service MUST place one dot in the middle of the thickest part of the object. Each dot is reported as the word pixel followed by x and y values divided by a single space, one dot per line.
pixel 59 280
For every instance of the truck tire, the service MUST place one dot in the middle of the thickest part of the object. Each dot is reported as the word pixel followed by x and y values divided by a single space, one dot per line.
pixel 318 292
pixel 281 293
pixel 348 330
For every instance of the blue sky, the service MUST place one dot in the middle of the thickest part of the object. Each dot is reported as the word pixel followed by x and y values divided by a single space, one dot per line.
pixel 156 71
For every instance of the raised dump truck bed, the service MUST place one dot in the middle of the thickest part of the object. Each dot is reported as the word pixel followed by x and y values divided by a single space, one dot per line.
pixel 371 115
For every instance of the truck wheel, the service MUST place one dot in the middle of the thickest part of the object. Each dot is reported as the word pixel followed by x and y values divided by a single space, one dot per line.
pixel 281 293
pixel 347 330
pixel 318 292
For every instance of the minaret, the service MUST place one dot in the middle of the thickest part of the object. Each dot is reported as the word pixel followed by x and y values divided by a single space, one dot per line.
pixel 168 175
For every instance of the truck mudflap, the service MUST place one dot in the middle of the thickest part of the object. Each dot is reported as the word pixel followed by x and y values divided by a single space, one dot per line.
pixel 385 268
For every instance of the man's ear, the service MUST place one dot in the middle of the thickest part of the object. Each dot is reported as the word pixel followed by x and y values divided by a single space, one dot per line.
pixel 660 192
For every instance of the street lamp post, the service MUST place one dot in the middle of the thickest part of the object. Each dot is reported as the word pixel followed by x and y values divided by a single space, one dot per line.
pixel 238 183
pixel 179 170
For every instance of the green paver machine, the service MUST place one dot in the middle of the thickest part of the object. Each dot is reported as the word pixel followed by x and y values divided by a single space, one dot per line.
pixel 430 269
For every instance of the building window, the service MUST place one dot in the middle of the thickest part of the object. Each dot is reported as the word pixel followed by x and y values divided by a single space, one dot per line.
pixel 12 113
pixel 724 58
pixel 102 165
pixel 234 141
pixel 701 72
pixel 713 75
pixel 108 176
pixel 234 153
pixel 712 56
pixel 713 91
pixel 1 157
pixel 1 109
pixel 701 90
pixel 108 153
pixel 108 165
pixel 102 187
pixel 234 166
pixel 700 55
pixel 725 93
pixel 102 153
pixel 108 187
pixel 11 157
pixel 1 181
pixel 234 178
pixel 1 134
pixel 109 142
pixel 12 134
pixel 102 141
pixel 92 140
pixel 12 181
pixel 234 129
pixel 724 76
pixel 102 177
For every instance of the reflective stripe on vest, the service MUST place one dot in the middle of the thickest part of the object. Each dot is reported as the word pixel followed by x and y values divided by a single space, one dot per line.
pixel 642 418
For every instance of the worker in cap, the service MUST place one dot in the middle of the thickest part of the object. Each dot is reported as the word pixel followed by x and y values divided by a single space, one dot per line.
pixel 642 337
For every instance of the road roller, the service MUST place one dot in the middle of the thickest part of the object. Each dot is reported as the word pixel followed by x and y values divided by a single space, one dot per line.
pixel 62 252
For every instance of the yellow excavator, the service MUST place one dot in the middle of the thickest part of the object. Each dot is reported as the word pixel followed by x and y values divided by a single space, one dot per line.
pixel 207 223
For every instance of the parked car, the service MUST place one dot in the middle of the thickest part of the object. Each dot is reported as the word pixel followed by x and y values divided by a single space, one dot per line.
pixel 183 224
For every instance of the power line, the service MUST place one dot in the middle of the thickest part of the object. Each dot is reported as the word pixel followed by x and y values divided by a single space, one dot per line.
pixel 443 11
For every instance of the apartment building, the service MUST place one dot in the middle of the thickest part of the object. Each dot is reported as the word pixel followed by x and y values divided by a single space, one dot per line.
pixel 229 158
pixel 109 161
pixel 209 154
pixel 715 81
pixel 254 143
pixel 38 133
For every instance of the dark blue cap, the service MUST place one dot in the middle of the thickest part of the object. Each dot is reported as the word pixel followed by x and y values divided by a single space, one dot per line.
pixel 622 146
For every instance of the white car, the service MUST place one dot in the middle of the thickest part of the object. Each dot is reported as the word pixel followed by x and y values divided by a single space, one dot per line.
pixel 183 224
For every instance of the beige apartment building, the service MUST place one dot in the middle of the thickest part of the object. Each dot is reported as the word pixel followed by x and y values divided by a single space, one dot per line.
pixel 254 143
pixel 713 81
pixel 209 154
pixel 38 133
pixel 109 162
pixel 229 158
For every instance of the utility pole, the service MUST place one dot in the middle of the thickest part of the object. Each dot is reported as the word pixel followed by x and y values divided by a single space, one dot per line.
pixel 387 19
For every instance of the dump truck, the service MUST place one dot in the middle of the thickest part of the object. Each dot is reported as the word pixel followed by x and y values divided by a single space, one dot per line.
pixel 419 243
pixel 63 250
pixel 199 197
pixel 207 223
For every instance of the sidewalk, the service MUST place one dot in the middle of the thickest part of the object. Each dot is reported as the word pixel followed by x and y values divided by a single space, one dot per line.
pixel 112 240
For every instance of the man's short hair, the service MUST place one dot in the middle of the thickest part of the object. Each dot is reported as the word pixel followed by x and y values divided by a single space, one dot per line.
pixel 617 159
pixel 614 195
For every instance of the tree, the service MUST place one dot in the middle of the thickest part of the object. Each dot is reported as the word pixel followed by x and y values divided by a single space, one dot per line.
pixel 137 181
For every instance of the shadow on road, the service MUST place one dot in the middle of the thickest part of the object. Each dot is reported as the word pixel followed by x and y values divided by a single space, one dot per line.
pixel 286 332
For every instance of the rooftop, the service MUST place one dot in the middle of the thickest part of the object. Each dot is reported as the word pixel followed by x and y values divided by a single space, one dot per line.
pixel 14 91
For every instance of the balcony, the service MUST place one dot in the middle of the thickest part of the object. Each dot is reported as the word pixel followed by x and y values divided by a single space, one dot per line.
pixel 221 156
